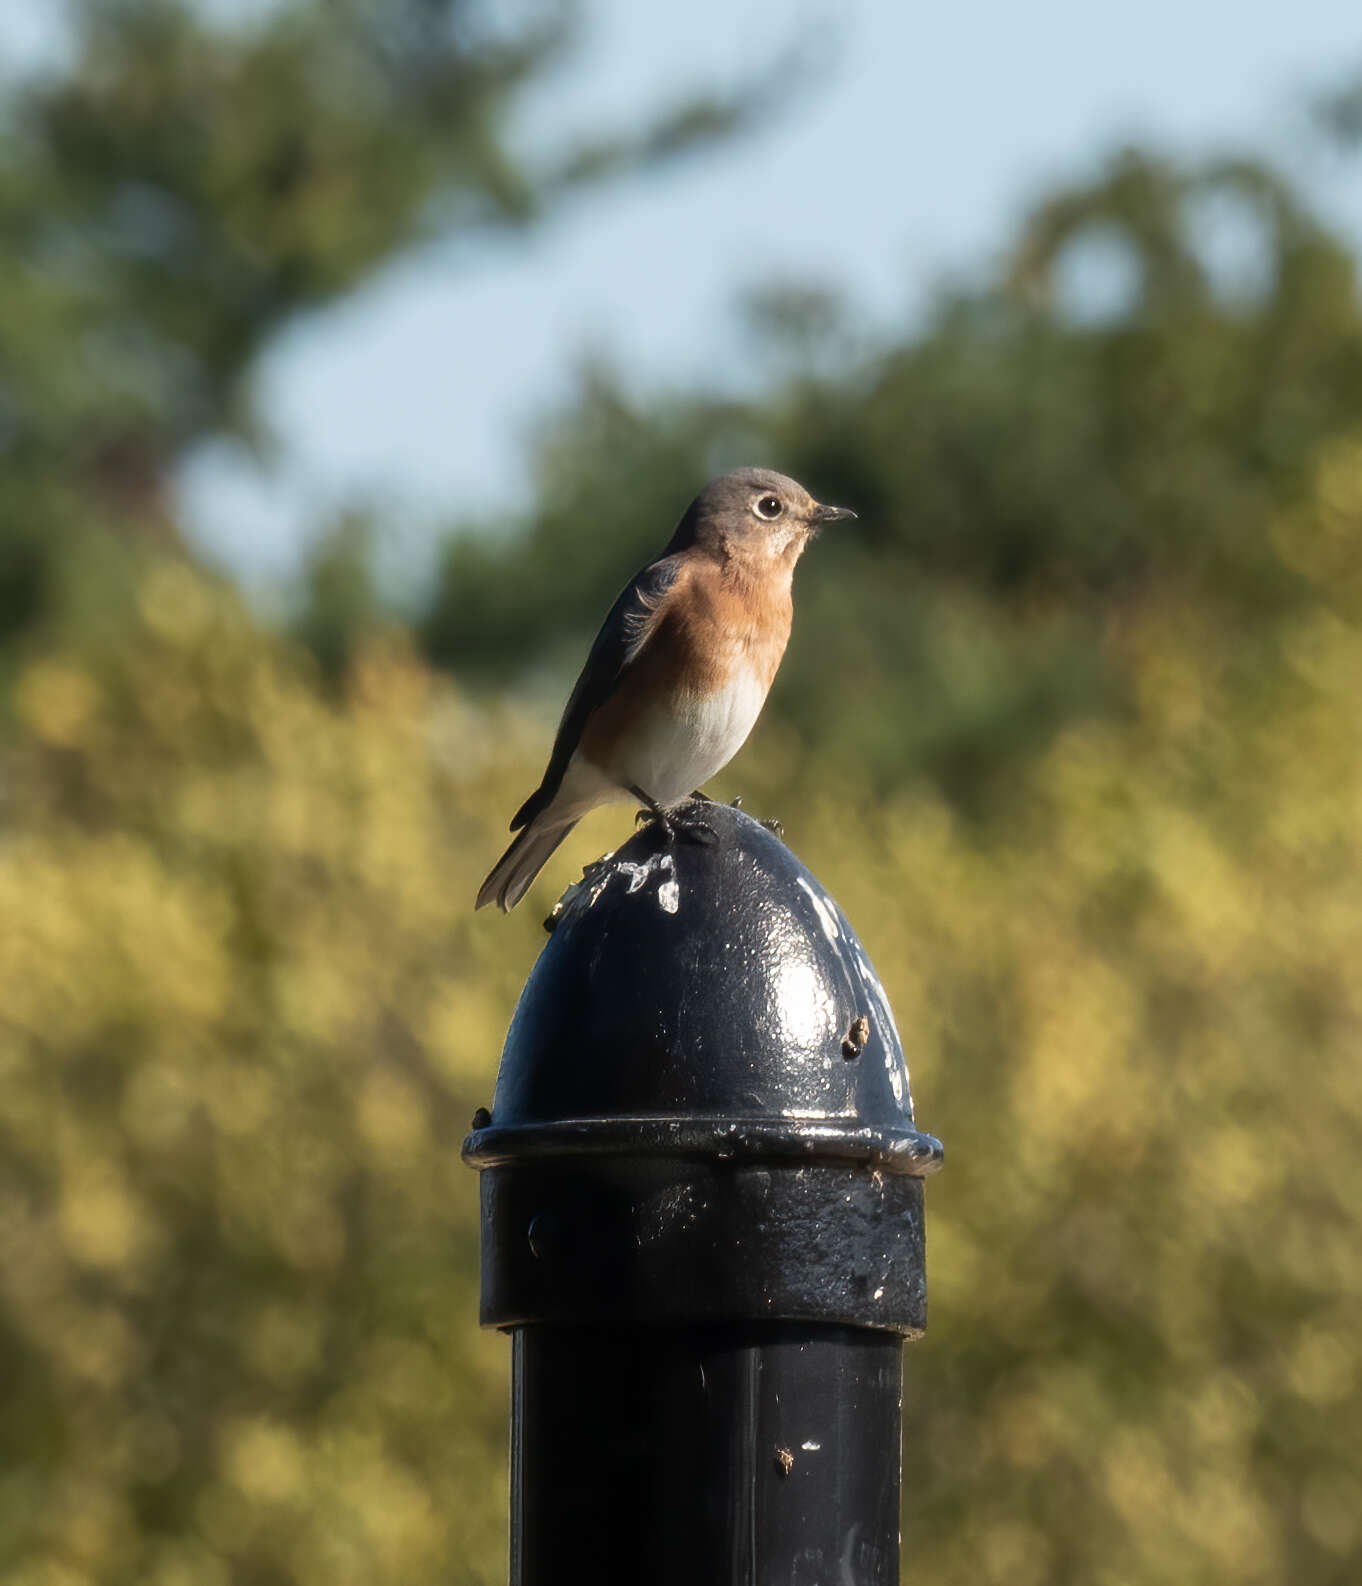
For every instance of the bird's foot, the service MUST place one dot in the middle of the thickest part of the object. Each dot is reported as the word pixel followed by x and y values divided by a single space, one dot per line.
pixel 654 814
pixel 776 828
pixel 658 818
pixel 681 821
pixel 692 827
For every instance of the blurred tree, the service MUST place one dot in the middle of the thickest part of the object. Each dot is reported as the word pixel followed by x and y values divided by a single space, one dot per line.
pixel 340 605
pixel 1340 111
pixel 246 1018
pixel 190 180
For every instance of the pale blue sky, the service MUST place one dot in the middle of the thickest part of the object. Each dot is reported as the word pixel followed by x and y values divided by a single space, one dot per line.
pixel 912 143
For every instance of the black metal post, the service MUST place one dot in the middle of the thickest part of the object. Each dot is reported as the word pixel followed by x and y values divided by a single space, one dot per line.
pixel 702 1220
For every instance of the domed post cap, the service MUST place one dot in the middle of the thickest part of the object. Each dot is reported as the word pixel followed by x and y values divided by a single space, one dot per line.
pixel 703 1109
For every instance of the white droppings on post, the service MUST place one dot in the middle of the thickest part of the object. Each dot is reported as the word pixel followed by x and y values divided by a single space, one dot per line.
pixel 883 1015
pixel 811 1447
pixel 876 988
pixel 662 866
pixel 824 908
pixel 636 875
pixel 584 894
pixel 587 893
pixel 894 1069
pixel 669 891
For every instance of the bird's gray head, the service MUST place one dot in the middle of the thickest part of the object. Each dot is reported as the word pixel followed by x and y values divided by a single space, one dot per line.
pixel 754 512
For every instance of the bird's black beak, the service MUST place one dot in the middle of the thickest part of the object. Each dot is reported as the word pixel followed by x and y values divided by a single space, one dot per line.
pixel 832 514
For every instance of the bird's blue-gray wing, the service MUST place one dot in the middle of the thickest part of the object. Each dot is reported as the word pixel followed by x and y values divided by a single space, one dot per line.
pixel 623 634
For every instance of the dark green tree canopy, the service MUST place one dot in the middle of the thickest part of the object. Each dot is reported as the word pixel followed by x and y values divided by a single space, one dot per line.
pixel 188 184
pixel 1022 475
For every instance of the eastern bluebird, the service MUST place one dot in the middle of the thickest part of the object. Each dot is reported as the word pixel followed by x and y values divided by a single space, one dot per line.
pixel 679 671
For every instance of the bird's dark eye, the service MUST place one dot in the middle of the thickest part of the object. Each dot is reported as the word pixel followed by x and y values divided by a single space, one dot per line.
pixel 769 507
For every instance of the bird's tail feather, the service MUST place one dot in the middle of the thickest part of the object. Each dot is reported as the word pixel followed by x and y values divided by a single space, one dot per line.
pixel 510 878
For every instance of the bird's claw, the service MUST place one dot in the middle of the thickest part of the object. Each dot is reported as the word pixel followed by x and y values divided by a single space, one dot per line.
pixel 683 822
pixel 645 818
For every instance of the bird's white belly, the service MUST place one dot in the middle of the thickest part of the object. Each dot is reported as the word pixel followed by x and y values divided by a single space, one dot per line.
pixel 677 747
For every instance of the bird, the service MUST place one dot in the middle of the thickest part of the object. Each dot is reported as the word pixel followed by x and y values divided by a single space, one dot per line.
pixel 678 673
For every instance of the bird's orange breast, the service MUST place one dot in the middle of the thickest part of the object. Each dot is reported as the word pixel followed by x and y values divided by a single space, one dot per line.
pixel 714 627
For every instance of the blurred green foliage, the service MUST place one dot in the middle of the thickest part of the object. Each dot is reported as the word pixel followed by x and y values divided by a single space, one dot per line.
pixel 246 1017
pixel 1070 726
pixel 1025 483
pixel 192 180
